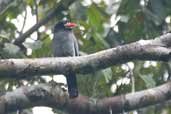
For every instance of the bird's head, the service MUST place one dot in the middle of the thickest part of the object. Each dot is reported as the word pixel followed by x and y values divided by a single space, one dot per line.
pixel 64 25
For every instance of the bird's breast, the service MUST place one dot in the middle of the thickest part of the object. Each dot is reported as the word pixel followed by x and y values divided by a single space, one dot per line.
pixel 63 44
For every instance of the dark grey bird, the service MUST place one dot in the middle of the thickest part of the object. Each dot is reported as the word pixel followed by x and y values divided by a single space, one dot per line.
pixel 65 44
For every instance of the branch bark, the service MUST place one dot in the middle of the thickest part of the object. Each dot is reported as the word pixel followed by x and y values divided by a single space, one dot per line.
pixel 157 49
pixel 55 97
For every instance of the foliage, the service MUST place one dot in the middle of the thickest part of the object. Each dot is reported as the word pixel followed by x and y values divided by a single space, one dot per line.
pixel 101 25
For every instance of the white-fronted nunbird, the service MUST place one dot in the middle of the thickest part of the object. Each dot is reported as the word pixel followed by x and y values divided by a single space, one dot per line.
pixel 65 44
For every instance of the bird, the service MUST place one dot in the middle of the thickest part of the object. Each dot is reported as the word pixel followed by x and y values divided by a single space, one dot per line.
pixel 64 44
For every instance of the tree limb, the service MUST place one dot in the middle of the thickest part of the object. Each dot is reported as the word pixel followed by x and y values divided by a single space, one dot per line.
pixel 157 49
pixel 55 97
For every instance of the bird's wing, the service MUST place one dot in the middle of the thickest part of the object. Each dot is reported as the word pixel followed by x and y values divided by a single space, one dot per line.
pixel 76 47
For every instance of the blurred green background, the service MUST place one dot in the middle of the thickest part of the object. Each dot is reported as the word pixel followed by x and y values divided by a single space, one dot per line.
pixel 102 24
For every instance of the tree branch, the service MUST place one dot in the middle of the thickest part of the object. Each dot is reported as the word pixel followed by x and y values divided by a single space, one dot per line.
pixel 55 97
pixel 60 7
pixel 157 49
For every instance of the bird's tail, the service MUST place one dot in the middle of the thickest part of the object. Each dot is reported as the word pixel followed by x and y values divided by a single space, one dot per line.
pixel 72 84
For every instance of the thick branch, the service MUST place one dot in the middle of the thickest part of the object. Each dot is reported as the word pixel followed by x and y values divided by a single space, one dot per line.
pixel 61 7
pixel 53 96
pixel 157 49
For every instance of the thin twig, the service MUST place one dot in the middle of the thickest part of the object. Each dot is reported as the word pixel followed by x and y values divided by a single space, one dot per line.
pixel 24 22
pixel 37 17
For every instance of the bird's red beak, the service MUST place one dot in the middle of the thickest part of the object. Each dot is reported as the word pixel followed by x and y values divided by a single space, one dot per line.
pixel 70 25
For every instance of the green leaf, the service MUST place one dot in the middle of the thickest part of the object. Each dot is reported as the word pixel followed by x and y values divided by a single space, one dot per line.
pixel 157 11
pixel 78 11
pixel 44 50
pixel 149 81
pixel 100 40
pixel 129 7
pixel 29 2
pixel 107 74
pixel 95 18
